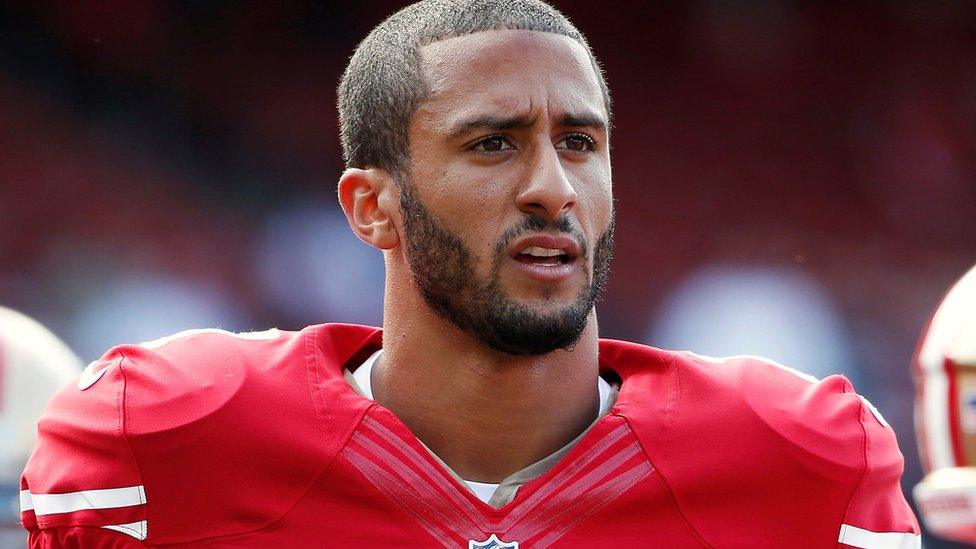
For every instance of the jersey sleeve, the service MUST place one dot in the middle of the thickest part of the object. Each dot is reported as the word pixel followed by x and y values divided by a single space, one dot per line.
pixel 172 426
pixel 840 441
pixel 878 514
pixel 80 538
pixel 83 472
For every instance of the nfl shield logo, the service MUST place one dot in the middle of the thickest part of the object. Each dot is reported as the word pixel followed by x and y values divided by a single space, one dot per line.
pixel 492 543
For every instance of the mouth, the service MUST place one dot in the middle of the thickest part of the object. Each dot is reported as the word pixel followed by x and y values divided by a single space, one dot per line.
pixel 538 255
pixel 546 251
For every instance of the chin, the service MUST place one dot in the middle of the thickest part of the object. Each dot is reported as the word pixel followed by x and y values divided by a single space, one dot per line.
pixel 545 305
pixel 562 294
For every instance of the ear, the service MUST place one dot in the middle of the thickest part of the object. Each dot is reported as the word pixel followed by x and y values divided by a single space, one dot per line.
pixel 360 194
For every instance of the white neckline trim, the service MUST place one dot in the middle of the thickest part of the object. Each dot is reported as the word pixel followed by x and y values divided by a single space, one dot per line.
pixel 363 377
pixel 604 389
pixel 484 490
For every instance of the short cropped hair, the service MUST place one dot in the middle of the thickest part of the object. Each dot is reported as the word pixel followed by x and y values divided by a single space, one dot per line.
pixel 383 84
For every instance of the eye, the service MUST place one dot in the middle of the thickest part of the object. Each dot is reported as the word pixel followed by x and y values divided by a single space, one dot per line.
pixel 577 142
pixel 492 143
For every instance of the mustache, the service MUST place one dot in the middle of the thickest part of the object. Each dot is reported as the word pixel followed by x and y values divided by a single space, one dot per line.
pixel 533 222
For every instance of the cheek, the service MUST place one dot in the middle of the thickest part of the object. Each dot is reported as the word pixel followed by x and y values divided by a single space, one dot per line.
pixel 595 190
pixel 469 204
pixel 460 197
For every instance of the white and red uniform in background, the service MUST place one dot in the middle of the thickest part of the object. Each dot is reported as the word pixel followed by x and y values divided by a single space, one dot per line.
pixel 34 364
pixel 944 369
pixel 212 439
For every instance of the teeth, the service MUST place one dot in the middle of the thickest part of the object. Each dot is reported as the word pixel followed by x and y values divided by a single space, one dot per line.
pixel 537 251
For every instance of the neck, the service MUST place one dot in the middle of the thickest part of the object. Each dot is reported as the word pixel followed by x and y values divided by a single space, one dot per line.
pixel 486 414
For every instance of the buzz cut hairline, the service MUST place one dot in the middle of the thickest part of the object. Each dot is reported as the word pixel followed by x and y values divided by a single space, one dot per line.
pixel 383 84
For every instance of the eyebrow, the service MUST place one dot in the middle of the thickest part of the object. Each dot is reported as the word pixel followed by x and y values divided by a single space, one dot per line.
pixel 584 120
pixel 501 123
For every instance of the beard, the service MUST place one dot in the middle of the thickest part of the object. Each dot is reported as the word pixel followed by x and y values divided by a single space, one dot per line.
pixel 443 269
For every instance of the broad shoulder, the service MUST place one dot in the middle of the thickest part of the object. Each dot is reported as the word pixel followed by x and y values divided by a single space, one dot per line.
pixel 192 357
pixel 777 409
pixel 187 376
pixel 179 421
pixel 205 369
pixel 793 403
pixel 743 437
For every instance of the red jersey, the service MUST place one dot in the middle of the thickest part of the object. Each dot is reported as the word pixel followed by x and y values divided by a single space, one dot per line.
pixel 212 439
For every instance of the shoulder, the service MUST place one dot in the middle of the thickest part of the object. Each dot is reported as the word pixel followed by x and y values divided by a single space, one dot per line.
pixel 742 390
pixel 195 356
pixel 818 434
pixel 812 453
pixel 178 380
pixel 172 425
pixel 826 420
pixel 745 440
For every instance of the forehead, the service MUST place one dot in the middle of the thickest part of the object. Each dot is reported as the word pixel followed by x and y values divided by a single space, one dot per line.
pixel 510 71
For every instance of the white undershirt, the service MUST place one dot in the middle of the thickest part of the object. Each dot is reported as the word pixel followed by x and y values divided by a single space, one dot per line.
pixel 484 490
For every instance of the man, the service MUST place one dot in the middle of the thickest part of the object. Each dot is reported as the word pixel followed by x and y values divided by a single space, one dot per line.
pixel 34 364
pixel 486 413
pixel 944 369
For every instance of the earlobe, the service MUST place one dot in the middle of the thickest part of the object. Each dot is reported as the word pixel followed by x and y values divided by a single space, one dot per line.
pixel 360 192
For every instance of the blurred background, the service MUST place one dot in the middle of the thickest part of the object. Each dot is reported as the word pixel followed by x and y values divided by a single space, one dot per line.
pixel 795 180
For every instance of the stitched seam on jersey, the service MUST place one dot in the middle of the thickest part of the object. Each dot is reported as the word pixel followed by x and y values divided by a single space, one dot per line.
pixel 315 385
pixel 865 447
pixel 339 443
pixel 673 372
pixel 325 468
pixel 123 417
pixel 120 426
pixel 332 457
pixel 271 525
pixel 667 488
pixel 673 411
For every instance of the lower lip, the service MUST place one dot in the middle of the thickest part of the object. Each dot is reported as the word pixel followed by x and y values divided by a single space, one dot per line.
pixel 546 273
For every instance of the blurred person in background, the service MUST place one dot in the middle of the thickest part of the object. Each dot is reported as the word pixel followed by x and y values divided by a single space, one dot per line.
pixel 34 364
pixel 944 369
pixel 486 412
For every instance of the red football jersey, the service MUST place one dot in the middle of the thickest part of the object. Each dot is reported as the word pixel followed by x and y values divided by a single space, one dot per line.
pixel 212 439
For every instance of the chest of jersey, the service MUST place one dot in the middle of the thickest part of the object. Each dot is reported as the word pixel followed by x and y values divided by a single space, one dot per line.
pixel 383 489
pixel 737 456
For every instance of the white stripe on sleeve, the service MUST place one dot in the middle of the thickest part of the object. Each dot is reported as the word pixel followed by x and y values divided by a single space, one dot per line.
pixel 50 504
pixel 866 539
pixel 25 501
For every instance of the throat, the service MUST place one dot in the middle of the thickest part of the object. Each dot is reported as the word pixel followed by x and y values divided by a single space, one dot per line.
pixel 488 429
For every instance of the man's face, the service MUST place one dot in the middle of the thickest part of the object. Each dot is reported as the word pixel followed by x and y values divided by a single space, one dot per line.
pixel 507 209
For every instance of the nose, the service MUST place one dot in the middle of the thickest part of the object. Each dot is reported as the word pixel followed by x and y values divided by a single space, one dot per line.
pixel 547 191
